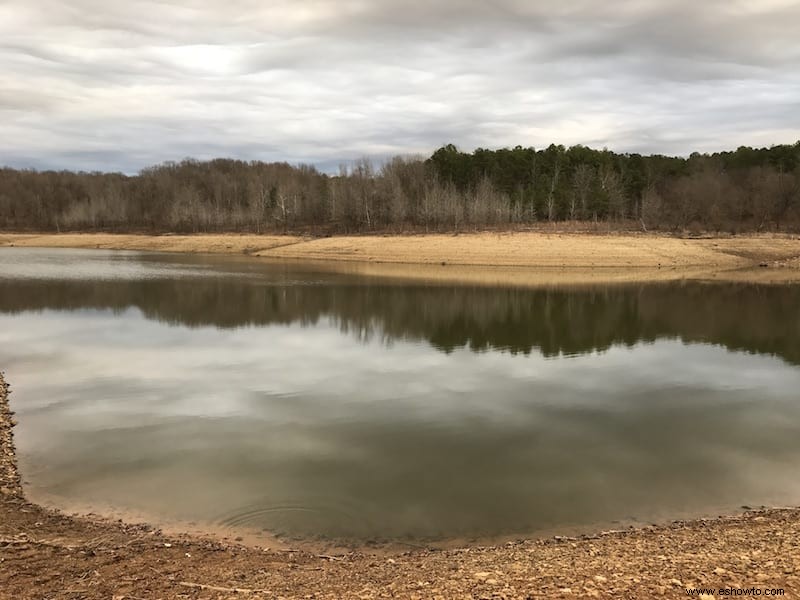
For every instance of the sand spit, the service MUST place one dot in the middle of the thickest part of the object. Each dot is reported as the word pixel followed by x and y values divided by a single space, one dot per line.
pixel 514 258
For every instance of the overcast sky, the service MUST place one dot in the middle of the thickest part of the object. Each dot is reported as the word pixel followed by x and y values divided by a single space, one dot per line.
pixel 105 85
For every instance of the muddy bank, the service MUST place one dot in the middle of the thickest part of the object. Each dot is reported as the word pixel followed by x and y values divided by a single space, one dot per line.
pixel 46 554
pixel 516 258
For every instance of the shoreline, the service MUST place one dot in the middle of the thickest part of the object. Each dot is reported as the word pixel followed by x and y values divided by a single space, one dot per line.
pixel 45 553
pixel 502 258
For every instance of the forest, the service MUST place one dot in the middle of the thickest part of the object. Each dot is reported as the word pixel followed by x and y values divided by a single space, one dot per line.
pixel 746 190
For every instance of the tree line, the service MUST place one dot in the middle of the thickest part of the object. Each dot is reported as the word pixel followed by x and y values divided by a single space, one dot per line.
pixel 749 189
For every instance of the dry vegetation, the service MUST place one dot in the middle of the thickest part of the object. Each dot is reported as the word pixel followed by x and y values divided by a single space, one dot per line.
pixel 45 554
pixel 747 190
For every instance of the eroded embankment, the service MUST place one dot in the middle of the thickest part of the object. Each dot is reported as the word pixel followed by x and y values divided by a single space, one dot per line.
pixel 45 554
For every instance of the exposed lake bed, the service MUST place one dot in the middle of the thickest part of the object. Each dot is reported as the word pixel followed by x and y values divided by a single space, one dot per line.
pixel 542 256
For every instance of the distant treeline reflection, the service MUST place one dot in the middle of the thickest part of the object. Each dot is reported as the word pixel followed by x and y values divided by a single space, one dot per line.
pixel 752 318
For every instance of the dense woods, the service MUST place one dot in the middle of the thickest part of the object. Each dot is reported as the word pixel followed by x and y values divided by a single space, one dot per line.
pixel 744 190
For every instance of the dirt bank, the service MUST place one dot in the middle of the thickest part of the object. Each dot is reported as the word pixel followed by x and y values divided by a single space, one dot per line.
pixel 513 258
pixel 45 554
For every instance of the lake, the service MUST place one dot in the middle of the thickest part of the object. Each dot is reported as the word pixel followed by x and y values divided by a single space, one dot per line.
pixel 291 399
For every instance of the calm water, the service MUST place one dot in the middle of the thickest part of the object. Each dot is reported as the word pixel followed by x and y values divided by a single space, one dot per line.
pixel 237 392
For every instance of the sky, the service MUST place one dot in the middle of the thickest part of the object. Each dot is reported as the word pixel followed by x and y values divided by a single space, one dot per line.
pixel 117 86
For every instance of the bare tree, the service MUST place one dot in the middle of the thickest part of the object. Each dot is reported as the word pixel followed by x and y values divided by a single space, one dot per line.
pixel 551 195
pixel 582 181
pixel 611 184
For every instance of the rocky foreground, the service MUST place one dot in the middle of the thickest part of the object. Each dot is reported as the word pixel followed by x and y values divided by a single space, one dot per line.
pixel 48 555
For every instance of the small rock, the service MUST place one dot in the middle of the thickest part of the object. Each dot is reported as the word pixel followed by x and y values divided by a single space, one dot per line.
pixel 482 575
pixel 676 582
pixel 600 579
pixel 720 571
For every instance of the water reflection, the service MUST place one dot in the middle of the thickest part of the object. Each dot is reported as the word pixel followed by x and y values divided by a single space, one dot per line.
pixel 309 403
pixel 187 291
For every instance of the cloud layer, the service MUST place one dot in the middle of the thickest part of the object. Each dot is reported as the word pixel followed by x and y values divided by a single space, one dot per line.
pixel 88 84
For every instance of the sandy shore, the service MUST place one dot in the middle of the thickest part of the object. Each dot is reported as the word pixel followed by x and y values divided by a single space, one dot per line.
pixel 494 258
pixel 46 554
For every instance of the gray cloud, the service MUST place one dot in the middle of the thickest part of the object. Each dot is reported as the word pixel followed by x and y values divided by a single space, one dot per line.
pixel 88 84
